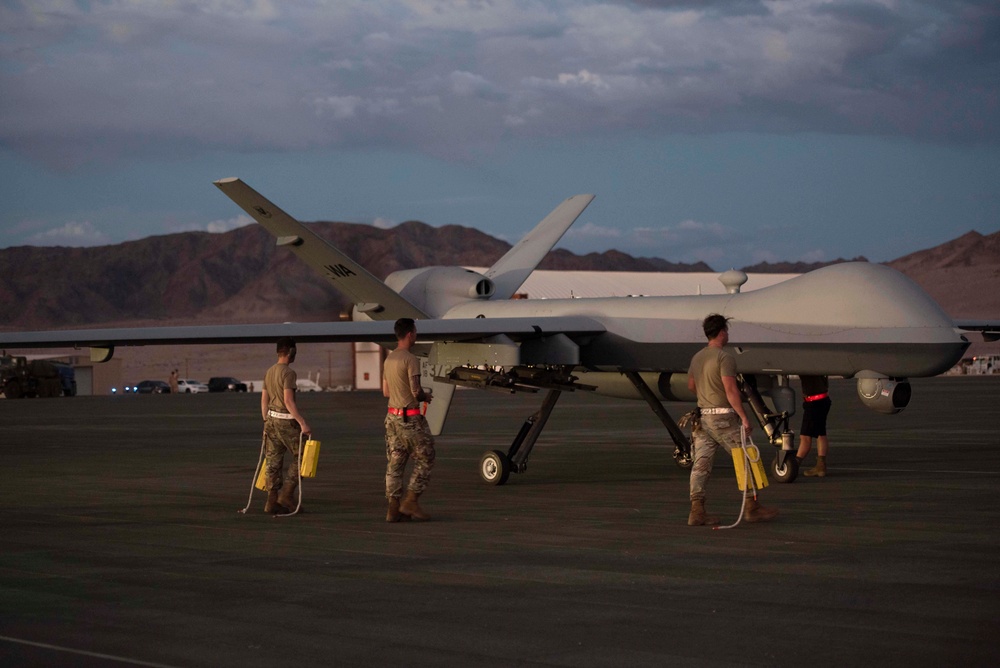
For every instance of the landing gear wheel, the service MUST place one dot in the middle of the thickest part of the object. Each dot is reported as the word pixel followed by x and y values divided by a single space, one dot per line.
pixel 683 459
pixel 494 468
pixel 786 473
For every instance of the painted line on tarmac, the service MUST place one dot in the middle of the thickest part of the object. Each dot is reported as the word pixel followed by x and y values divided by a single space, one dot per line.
pixel 929 472
pixel 83 652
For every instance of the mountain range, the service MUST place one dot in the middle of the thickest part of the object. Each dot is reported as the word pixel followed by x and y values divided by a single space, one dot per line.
pixel 241 276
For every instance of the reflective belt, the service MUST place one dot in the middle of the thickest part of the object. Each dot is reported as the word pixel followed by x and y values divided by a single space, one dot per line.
pixel 716 411
pixel 280 416
pixel 406 412
pixel 816 397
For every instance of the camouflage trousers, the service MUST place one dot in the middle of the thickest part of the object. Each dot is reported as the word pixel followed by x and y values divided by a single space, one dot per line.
pixel 716 430
pixel 281 436
pixel 403 439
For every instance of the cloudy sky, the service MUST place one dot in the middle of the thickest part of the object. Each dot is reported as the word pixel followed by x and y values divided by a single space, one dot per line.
pixel 730 132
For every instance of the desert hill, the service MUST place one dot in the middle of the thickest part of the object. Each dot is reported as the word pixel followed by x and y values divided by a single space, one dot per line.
pixel 963 275
pixel 794 267
pixel 239 276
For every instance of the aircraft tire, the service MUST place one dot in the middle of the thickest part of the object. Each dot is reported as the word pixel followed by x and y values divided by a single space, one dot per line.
pixel 494 468
pixel 786 473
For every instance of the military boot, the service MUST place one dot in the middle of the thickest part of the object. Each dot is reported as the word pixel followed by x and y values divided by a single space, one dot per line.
pixel 287 498
pixel 393 514
pixel 754 512
pixel 272 501
pixel 698 517
pixel 410 507
pixel 818 471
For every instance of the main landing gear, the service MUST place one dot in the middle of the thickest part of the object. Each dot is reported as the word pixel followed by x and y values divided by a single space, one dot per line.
pixel 496 466
pixel 682 444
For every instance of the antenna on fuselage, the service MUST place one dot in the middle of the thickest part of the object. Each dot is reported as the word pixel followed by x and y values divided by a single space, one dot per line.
pixel 733 280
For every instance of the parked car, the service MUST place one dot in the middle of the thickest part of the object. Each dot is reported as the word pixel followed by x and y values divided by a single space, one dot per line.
pixel 188 386
pixel 307 385
pixel 150 387
pixel 226 384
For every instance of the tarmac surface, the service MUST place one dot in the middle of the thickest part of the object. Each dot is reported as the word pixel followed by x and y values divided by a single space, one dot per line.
pixel 122 544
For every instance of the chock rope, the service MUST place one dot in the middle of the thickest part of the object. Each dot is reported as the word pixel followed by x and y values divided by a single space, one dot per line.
pixel 748 476
pixel 256 472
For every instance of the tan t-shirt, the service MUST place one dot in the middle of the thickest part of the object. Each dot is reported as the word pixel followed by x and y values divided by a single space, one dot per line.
pixel 400 366
pixel 708 366
pixel 277 379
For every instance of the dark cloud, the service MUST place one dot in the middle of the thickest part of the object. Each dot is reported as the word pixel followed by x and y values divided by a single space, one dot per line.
pixel 716 8
pixel 101 81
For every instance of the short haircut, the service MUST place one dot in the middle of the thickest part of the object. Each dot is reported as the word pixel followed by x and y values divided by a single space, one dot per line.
pixel 403 327
pixel 714 324
pixel 285 345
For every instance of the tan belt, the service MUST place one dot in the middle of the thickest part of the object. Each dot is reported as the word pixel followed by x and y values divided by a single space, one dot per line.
pixel 280 416
pixel 716 411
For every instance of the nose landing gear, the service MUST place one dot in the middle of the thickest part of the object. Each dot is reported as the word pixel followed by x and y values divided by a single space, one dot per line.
pixel 784 467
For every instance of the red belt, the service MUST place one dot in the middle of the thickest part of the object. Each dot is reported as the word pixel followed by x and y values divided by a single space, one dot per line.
pixel 404 411
pixel 816 397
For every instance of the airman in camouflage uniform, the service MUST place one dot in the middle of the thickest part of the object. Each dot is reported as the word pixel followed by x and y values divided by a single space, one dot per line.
pixel 712 377
pixel 406 431
pixel 283 430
